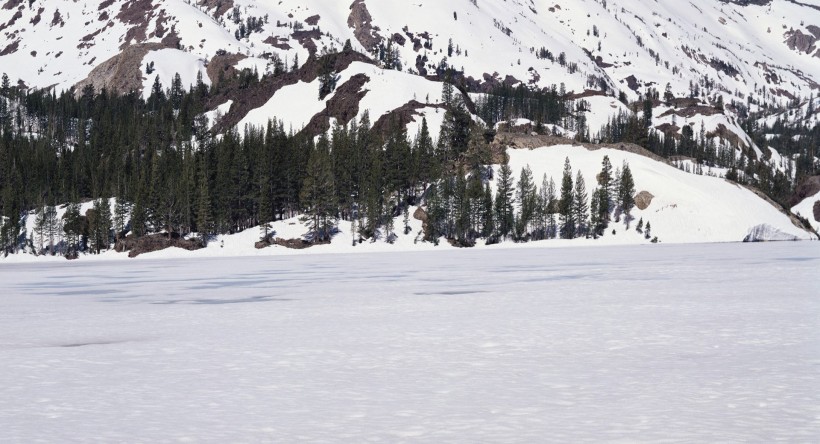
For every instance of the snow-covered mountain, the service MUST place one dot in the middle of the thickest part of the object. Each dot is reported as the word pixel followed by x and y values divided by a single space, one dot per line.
pixel 706 65
pixel 730 49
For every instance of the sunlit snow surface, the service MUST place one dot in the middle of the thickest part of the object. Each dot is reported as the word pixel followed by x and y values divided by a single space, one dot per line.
pixel 673 343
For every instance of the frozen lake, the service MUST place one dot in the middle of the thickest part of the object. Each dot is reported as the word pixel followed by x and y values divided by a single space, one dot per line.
pixel 654 343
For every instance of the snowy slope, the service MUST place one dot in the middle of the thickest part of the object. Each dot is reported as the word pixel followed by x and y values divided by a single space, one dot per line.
pixel 686 207
pixel 386 90
pixel 806 209
pixel 742 49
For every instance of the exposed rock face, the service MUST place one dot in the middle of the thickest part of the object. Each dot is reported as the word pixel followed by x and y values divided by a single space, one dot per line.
pixel 808 187
pixel 362 24
pixel 643 200
pixel 805 43
pixel 250 98
pixel 297 244
pixel 222 6
pixel 223 64
pixel 119 74
pixel 156 242
pixel 343 106
pixel 817 211
pixel 401 116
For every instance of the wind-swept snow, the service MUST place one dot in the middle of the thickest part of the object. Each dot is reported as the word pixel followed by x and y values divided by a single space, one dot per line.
pixel 676 343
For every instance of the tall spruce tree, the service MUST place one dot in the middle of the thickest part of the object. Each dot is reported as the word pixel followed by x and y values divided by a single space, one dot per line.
pixel 580 207
pixel 527 199
pixel 626 192
pixel 318 192
pixel 565 204
pixel 504 203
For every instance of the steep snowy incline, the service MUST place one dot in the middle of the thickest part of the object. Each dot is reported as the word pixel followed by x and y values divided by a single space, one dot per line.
pixel 624 44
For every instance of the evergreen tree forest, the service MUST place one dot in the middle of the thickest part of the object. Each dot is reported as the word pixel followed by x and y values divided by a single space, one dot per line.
pixel 153 165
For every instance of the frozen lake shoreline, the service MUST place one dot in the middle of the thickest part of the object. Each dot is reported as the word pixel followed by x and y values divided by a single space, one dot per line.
pixel 641 343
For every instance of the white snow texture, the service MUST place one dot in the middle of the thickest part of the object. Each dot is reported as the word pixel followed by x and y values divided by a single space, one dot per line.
pixel 667 343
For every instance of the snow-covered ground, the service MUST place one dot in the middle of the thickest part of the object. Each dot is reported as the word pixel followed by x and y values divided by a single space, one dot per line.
pixel 672 343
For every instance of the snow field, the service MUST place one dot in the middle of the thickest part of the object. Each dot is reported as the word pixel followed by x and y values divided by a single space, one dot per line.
pixel 673 343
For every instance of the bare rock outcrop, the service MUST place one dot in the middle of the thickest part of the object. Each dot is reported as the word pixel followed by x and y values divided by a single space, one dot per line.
pixel 361 22
pixel 136 246
pixel 120 74
pixel 817 211
pixel 643 200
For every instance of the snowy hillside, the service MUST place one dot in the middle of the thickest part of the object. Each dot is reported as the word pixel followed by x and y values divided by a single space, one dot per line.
pixel 685 207
pixel 216 111
pixel 703 50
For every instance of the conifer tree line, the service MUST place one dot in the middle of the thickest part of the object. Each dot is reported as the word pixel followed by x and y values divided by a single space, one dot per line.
pixel 169 173
pixel 463 208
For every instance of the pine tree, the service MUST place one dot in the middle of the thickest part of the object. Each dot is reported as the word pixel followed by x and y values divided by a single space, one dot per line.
pixel 606 190
pixel 565 203
pixel 204 219
pixel 595 220
pixel 52 228
pixel 100 225
pixel 488 222
pixel 504 201
pixel 648 231
pixel 626 192
pixel 406 219
pixel 551 207
pixel 318 192
pixel 526 197
pixel 120 217
pixel 39 228
pixel 580 206
pixel 72 227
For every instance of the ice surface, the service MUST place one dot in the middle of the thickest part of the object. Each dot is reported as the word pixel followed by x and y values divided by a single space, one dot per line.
pixel 672 343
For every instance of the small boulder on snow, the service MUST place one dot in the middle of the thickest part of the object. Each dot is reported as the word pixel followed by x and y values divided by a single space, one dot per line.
pixel 643 200
pixel 767 233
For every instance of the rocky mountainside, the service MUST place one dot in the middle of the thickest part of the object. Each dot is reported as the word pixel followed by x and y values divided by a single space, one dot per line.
pixel 764 51
pixel 717 88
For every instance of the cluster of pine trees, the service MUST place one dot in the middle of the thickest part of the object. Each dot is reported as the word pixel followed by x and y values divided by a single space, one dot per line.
pixel 462 208
pixel 167 171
